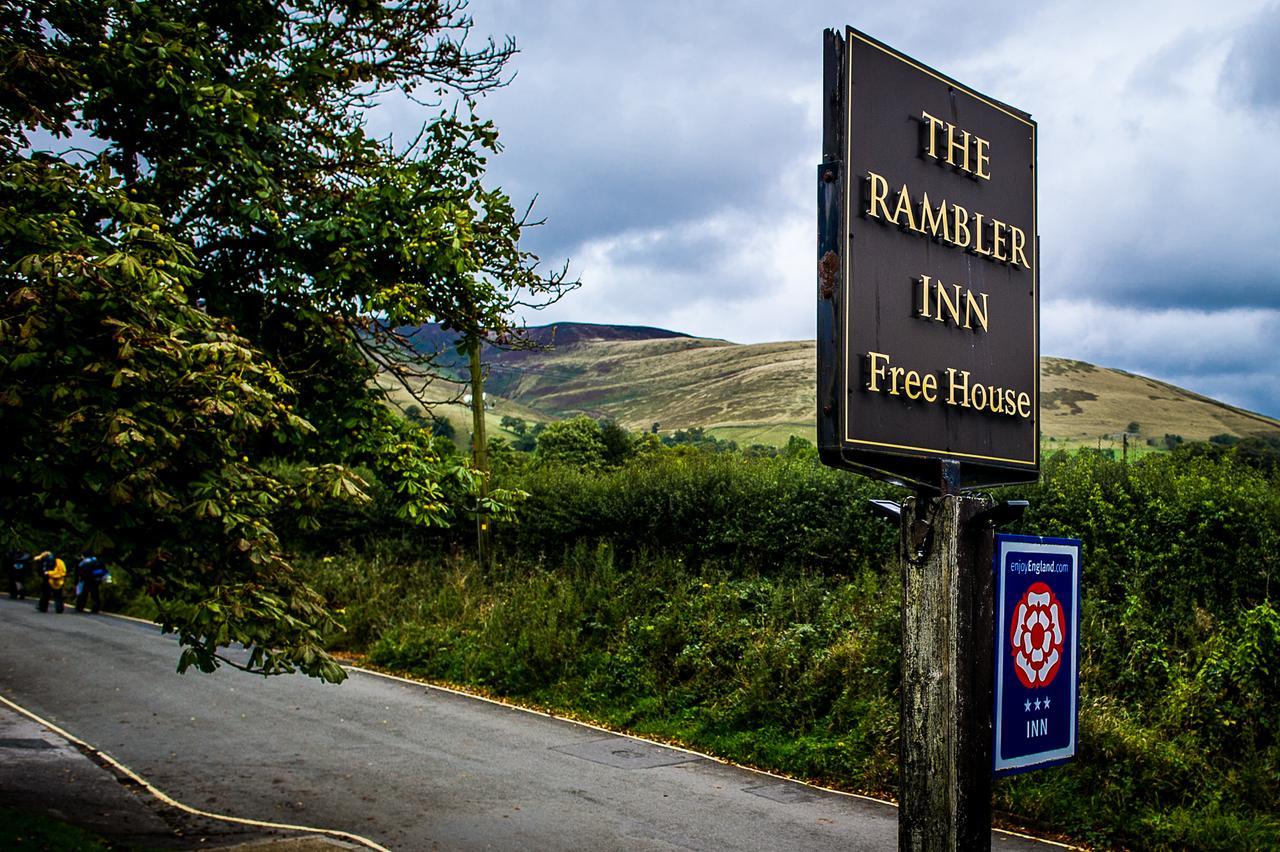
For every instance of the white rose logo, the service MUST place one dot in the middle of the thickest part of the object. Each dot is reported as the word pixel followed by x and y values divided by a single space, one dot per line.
pixel 1036 636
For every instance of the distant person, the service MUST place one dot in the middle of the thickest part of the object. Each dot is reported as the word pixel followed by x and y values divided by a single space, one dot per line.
pixel 53 576
pixel 89 575
pixel 18 567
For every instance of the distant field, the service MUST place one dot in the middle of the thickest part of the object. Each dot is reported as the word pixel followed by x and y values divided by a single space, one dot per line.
pixel 459 415
pixel 769 434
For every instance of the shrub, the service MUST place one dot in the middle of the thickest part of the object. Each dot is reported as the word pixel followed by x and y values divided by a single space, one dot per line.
pixel 575 442
pixel 748 606
pixel 759 514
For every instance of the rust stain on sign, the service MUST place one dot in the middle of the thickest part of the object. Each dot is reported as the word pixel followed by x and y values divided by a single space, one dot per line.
pixel 828 268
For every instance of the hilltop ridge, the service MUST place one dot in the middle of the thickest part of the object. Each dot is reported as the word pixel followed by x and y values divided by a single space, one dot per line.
pixel 765 392
pixel 433 337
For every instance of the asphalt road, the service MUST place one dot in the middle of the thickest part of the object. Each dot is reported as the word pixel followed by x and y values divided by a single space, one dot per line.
pixel 405 765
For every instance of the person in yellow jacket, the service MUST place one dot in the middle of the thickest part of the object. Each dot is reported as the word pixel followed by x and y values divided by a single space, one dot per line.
pixel 53 576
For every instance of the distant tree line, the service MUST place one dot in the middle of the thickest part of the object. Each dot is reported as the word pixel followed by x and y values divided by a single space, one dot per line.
pixel 603 443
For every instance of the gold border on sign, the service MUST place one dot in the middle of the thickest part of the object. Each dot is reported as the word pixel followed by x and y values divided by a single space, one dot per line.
pixel 941 78
pixel 848 255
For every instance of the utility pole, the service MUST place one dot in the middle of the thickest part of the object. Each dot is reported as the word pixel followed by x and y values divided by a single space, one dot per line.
pixel 479 450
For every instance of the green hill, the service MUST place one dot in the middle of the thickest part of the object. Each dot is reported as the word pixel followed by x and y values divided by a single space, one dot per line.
pixel 764 392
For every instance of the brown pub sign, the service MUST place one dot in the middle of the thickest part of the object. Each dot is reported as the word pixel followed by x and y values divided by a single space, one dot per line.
pixel 928 326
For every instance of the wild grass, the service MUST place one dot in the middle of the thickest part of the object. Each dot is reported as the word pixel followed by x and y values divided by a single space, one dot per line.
pixel 796 674
pixel 745 608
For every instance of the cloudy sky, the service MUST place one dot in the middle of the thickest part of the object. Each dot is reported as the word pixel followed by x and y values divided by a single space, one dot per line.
pixel 672 147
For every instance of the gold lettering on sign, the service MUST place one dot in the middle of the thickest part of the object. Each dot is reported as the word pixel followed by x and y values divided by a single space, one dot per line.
pixel 948 223
pixel 960 145
pixel 950 304
pixel 972 310
pixel 879 190
pixel 998 240
pixel 904 206
pixel 1018 240
pixel 962 385
pixel 952 147
pixel 935 124
pixel 983 169
pixel 936 225
pixel 892 380
pixel 961 305
pixel 877 370
pixel 930 388
pixel 961 228
pixel 963 391
pixel 953 307
pixel 913 385
pixel 977 230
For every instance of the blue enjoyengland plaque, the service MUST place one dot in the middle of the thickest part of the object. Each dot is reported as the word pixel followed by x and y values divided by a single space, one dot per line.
pixel 1037 665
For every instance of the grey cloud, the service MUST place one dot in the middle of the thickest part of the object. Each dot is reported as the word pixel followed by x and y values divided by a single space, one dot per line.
pixel 1151 278
pixel 1225 354
pixel 1252 70
pixel 644 128
pixel 1160 74
pixel 635 116
pixel 678 250
pixel 1253 391
pixel 615 176
pixel 623 136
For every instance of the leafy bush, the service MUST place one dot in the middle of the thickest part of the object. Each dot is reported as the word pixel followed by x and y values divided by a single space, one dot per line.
pixel 798 673
pixel 575 442
pixel 747 606
pixel 758 514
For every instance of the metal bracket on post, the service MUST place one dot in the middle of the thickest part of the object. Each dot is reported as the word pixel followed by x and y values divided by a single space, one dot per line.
pixel 1002 513
pixel 886 509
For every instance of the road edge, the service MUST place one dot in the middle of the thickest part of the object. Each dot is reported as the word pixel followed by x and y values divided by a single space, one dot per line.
pixel 101 757
pixel 464 693
pixel 453 690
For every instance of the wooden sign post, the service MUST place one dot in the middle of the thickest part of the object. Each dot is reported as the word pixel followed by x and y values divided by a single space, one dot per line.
pixel 928 376
pixel 945 716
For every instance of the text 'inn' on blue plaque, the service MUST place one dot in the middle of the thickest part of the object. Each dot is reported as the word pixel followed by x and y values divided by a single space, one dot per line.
pixel 1037 652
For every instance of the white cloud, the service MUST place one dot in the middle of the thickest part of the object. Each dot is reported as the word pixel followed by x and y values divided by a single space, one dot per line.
pixel 761 284
pixel 673 148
